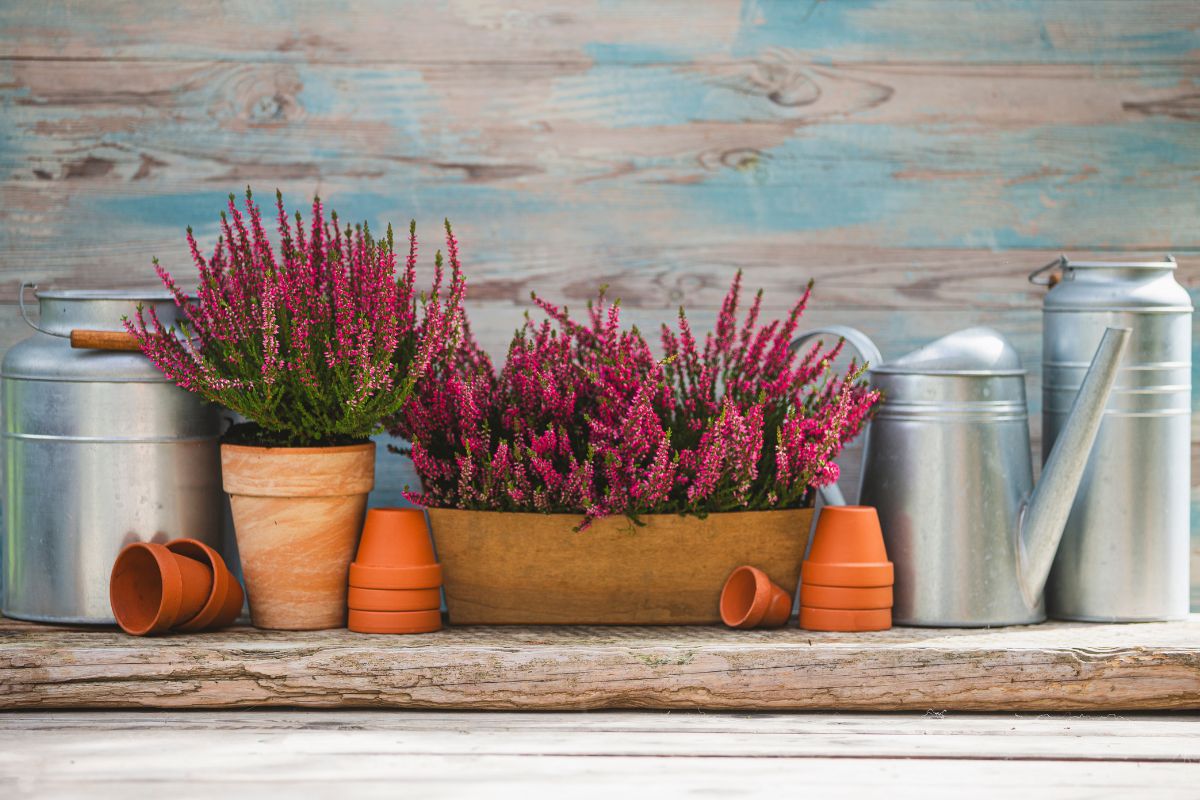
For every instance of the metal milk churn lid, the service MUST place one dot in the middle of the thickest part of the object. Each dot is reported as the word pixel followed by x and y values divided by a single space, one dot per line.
pixel 99 451
pixel 1124 555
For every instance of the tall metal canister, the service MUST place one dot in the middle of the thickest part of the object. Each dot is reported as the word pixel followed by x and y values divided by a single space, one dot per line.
pixel 99 450
pixel 1125 553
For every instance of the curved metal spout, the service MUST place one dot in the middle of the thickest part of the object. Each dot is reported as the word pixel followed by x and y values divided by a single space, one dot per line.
pixel 1046 515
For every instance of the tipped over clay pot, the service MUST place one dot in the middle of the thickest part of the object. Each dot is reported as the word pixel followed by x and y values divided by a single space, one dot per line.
pixel 224 602
pixel 847 549
pixel 297 513
pixel 751 600
pixel 151 589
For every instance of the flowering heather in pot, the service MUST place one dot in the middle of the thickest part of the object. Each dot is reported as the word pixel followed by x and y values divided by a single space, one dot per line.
pixel 584 418
pixel 315 343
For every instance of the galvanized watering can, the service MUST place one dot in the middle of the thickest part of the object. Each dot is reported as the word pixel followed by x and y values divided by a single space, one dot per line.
pixel 948 464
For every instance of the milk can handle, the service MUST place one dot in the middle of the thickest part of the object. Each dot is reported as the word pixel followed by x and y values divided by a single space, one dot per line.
pixel 25 314
pixel 868 353
pixel 1061 261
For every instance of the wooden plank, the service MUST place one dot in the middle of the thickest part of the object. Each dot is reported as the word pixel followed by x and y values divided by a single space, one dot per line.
pixel 1144 739
pixel 1055 666
pixel 440 754
pixel 643 154
pixel 1065 31
pixel 1141 738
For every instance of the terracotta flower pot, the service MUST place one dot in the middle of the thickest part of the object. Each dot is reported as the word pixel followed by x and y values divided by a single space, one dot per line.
pixel 396 553
pixel 847 549
pixel 847 620
pixel 297 512
pixel 361 599
pixel 152 589
pixel 395 621
pixel 845 597
pixel 751 600
pixel 224 601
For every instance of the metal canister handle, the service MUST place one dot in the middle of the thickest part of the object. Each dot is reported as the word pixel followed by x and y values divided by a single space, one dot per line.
pixel 868 353
pixel 1050 280
pixel 24 313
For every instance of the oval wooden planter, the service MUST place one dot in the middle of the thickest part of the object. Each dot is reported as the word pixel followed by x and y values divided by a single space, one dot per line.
pixel 297 515
pixel 533 569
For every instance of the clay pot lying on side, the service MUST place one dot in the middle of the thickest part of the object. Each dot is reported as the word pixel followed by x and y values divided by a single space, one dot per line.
pixel 751 600
pixel 183 585
pixel 152 589
pixel 297 513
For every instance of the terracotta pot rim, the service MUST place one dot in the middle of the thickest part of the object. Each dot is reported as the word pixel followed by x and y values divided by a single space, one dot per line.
pixel 845 620
pixel 365 599
pixel 847 575
pixel 171 594
pixel 394 622
pixel 421 576
pixel 845 598
pixel 301 451
pixel 757 608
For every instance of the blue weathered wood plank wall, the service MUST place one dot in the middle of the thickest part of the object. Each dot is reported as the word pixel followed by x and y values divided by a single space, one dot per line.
pixel 916 157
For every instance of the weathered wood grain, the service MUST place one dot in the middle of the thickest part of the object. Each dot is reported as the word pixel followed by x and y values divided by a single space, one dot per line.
pixel 1057 666
pixel 434 754
pixel 1061 31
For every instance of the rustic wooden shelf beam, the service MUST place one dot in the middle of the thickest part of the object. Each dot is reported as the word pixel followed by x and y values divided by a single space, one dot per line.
pixel 1055 666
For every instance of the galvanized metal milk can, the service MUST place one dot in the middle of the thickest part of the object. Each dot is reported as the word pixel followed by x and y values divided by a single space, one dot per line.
pixel 1124 555
pixel 99 451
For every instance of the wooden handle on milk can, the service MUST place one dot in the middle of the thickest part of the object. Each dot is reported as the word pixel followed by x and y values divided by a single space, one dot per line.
pixel 104 340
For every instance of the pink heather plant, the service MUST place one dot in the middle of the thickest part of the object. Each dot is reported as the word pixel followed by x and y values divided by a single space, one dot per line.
pixel 583 418
pixel 314 345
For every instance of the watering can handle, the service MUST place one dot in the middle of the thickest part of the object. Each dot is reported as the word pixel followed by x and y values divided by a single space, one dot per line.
pixel 867 353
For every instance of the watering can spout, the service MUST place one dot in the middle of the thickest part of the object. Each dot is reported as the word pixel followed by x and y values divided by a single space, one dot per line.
pixel 1046 515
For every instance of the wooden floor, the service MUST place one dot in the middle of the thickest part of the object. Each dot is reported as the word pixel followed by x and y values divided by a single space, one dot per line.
pixel 352 754
pixel 1051 667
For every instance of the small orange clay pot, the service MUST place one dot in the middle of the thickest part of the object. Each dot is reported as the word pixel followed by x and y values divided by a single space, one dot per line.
pixel 847 549
pixel 847 620
pixel 152 589
pixel 751 600
pixel 845 597
pixel 225 601
pixel 427 576
pixel 361 599
pixel 395 537
pixel 297 512
pixel 395 621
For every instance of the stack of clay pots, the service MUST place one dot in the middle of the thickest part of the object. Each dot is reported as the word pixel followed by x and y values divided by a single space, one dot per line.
pixel 395 582
pixel 182 585
pixel 846 582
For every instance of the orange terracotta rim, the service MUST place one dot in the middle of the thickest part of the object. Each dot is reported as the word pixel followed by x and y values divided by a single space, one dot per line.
pixel 845 620
pixel 301 451
pixel 360 599
pixel 143 569
pixel 845 597
pixel 878 574
pixel 425 576
pixel 395 621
